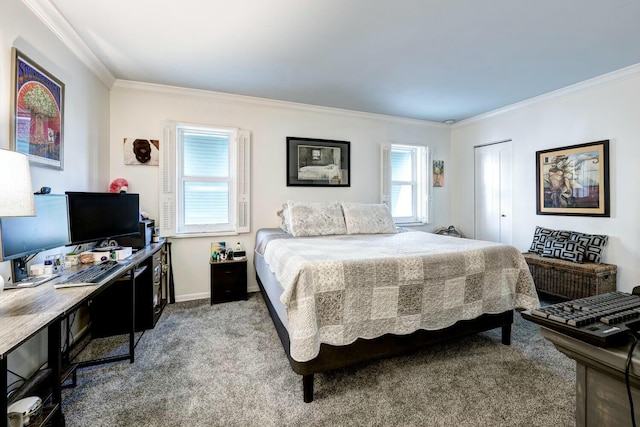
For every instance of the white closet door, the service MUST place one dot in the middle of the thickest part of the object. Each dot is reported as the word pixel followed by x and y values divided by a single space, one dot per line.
pixel 493 192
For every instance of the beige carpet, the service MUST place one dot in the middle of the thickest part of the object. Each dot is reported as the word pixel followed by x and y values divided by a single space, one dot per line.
pixel 223 365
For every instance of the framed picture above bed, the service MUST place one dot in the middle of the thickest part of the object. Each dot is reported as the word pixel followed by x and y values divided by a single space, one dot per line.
pixel 317 162
pixel 573 180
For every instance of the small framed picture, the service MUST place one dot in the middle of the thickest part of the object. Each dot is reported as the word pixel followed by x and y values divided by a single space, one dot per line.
pixel 138 151
pixel 438 173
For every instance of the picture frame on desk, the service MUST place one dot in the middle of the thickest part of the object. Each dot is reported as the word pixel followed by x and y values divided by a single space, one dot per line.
pixel 218 248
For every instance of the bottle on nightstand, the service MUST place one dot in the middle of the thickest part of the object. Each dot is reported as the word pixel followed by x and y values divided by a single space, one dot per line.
pixel 238 252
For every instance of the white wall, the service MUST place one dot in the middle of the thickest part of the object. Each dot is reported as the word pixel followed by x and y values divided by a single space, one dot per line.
pixel 604 108
pixel 86 120
pixel 86 128
pixel 138 109
pixel 86 106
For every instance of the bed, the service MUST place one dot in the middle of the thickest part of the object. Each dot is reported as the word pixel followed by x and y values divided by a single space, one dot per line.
pixel 323 172
pixel 344 287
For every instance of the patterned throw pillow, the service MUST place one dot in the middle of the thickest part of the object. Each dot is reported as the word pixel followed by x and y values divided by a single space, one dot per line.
pixel 315 219
pixel 362 218
pixel 568 250
pixel 594 244
pixel 540 236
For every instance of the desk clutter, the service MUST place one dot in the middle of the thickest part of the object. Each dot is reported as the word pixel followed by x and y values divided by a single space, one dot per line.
pixel 220 252
pixel 113 253
pixel 86 258
pixel 73 219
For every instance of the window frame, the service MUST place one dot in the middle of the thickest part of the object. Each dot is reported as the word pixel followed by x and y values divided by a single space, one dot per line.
pixel 420 182
pixel 172 181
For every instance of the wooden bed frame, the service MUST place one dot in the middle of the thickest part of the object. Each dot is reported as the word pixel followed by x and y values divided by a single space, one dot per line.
pixel 363 350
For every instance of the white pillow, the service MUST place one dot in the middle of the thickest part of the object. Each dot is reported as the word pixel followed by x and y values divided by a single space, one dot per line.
pixel 362 218
pixel 315 219
pixel 284 217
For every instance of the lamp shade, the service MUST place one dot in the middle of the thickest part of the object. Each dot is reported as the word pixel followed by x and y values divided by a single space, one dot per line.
pixel 16 193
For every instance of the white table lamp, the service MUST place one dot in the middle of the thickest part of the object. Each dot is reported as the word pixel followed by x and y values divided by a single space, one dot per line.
pixel 16 193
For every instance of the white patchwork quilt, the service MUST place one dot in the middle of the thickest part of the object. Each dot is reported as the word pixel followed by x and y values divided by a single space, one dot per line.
pixel 341 288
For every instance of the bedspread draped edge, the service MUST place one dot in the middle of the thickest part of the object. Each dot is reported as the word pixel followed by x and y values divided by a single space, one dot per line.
pixel 341 288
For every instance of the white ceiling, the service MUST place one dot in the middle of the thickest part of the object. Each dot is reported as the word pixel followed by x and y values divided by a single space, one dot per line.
pixel 423 59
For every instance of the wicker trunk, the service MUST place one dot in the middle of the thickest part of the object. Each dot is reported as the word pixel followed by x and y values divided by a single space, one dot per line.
pixel 569 280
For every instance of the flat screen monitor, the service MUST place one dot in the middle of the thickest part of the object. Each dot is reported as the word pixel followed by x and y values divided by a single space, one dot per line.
pixel 27 235
pixel 95 217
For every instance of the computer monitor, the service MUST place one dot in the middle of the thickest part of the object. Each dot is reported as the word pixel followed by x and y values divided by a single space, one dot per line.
pixel 94 217
pixel 21 237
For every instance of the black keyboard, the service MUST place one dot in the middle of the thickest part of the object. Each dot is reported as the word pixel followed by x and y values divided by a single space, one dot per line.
pixel 93 274
pixel 601 320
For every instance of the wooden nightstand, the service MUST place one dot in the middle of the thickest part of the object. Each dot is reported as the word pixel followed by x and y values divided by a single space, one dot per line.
pixel 228 280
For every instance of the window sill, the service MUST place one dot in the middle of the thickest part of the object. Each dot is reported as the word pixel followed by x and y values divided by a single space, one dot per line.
pixel 410 224
pixel 203 234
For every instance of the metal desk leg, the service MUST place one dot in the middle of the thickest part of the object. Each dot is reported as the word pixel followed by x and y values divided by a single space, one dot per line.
pixel 132 332
pixel 3 387
pixel 132 344
pixel 55 363
pixel 171 286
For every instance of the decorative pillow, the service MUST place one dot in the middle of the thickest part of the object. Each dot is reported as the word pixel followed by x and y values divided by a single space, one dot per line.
pixel 540 236
pixel 362 218
pixel 284 217
pixel 569 250
pixel 594 244
pixel 315 219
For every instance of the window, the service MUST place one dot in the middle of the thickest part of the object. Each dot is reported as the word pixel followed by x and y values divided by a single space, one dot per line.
pixel 405 182
pixel 205 180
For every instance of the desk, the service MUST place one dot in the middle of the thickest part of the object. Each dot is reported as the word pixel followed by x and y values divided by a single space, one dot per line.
pixel 26 312
pixel 601 394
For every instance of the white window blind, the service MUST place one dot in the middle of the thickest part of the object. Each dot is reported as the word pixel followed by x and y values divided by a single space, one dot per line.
pixel 205 178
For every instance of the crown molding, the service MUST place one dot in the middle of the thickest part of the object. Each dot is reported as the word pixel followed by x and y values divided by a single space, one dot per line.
pixel 266 102
pixel 621 74
pixel 57 23
pixel 53 19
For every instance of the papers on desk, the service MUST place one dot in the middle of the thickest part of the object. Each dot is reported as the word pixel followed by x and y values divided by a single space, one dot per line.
pixel 72 285
pixel 31 281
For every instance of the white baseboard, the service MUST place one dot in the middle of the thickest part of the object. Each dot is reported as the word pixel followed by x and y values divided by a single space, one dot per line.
pixel 191 297
pixel 207 295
